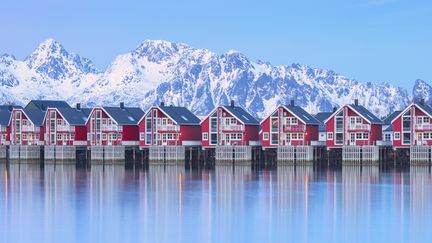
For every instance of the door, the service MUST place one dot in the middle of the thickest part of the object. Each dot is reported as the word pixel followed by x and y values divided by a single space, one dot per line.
pixel 164 139
pixel 352 139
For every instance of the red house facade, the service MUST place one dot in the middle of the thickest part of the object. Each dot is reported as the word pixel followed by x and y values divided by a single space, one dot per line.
pixel 229 125
pixel 5 118
pixel 353 125
pixel 26 124
pixel 114 126
pixel 289 125
pixel 66 126
pixel 413 126
pixel 169 126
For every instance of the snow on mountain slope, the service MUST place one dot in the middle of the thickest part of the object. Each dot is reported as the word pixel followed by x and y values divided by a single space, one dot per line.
pixel 182 75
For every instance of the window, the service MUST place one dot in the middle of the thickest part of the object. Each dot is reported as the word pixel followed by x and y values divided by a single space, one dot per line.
pixel 387 137
pixel 366 136
pixel 170 136
pixel 265 136
pixel 104 121
pixel 233 136
pixel 59 122
pixel 59 136
pixel 213 138
pixel 119 136
pixel 88 136
pixel 148 138
pixel 406 138
pixel 294 136
pixel 274 138
pixel 239 136
pixel 24 137
pixel 142 136
pixel 397 136
pixel 339 138
pixel 65 136
pixel 329 136
pixel 358 136
pixel 274 125
pixel 300 136
pixel 72 136
pixel 205 136
pixel 104 136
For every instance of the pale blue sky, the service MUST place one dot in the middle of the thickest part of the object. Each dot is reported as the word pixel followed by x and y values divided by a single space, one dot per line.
pixel 369 40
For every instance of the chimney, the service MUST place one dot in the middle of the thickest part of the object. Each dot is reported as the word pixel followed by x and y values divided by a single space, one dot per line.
pixel 292 103
pixel 78 106
pixel 122 105
pixel 162 104
pixel 232 103
pixel 356 102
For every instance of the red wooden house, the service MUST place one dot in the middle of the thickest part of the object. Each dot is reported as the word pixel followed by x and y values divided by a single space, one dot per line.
pixel 169 125
pixel 66 126
pixel 26 124
pixel 229 125
pixel 413 126
pixel 289 125
pixel 5 117
pixel 114 126
pixel 353 125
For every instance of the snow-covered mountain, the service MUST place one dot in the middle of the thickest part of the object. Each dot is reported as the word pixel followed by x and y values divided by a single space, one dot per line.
pixel 196 78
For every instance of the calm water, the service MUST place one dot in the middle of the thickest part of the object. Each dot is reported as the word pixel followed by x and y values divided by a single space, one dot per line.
pixel 171 204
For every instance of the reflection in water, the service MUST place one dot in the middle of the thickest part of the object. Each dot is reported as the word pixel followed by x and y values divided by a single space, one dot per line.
pixel 227 204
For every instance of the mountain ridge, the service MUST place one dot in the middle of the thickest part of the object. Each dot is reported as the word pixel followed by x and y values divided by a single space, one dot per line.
pixel 178 74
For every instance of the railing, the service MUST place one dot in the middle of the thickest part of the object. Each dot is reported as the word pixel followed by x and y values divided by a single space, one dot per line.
pixel 111 128
pixel 232 127
pixel 423 127
pixel 358 126
pixel 294 127
pixel 168 128
pixel 30 129
pixel 65 129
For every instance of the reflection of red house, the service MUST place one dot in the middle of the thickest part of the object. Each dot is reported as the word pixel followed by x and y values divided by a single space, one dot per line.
pixel 169 125
pixel 66 126
pixel 113 126
pixel 353 125
pixel 413 126
pixel 289 125
pixel 229 125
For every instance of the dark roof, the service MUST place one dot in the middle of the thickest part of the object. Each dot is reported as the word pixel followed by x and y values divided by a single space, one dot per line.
pixel 35 115
pixel 181 115
pixel 126 115
pixel 366 114
pixel 9 107
pixel 302 114
pixel 44 104
pixel 322 116
pixel 74 116
pixel 4 117
pixel 391 117
pixel 425 107
pixel 242 115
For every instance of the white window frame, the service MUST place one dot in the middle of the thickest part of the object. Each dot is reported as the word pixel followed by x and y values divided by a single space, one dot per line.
pixel 104 136
pixel 330 136
pixel 142 136
pixel 397 136
pixel 266 136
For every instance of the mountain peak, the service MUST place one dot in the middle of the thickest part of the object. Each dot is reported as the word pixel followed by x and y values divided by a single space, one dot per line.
pixel 51 58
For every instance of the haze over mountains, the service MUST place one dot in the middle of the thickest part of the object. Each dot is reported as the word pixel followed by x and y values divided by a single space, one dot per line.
pixel 196 78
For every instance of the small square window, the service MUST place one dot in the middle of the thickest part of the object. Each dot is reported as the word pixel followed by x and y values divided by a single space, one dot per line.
pixel 265 136
pixel 397 136
pixel 329 136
